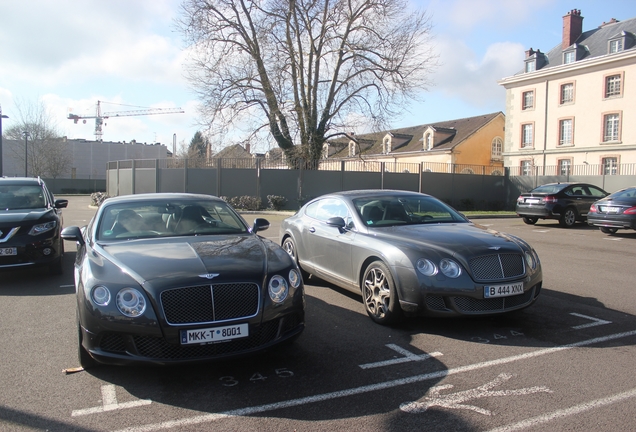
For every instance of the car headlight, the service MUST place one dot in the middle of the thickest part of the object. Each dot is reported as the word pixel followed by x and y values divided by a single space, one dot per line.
pixel 426 267
pixel 294 278
pixel 530 260
pixel 42 228
pixel 278 289
pixel 100 296
pixel 131 302
pixel 450 268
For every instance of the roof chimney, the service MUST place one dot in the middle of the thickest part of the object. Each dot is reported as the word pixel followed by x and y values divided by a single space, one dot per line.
pixel 572 27
pixel 530 53
pixel 247 148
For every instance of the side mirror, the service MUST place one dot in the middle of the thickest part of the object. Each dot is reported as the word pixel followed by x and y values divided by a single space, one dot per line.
pixel 337 222
pixel 73 233
pixel 60 203
pixel 260 224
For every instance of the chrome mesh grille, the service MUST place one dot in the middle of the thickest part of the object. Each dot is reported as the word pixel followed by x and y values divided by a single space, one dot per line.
pixel 209 303
pixel 472 305
pixel 497 267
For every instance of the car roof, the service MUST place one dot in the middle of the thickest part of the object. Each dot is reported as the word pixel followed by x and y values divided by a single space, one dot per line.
pixel 21 181
pixel 372 192
pixel 159 196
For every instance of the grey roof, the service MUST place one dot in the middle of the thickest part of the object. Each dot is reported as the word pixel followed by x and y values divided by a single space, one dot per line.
pixel 595 42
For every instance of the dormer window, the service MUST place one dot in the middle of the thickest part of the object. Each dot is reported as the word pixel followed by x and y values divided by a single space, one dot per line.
pixel 352 148
pixel 386 145
pixel 428 141
pixel 531 65
pixel 615 46
pixel 569 57
pixel 325 150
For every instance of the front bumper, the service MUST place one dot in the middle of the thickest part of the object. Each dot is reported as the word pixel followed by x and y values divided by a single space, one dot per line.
pixel 40 252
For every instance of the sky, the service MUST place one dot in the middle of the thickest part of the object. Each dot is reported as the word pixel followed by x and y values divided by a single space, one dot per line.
pixel 69 54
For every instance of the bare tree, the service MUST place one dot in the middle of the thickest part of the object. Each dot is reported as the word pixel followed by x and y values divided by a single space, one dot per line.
pixel 305 70
pixel 45 151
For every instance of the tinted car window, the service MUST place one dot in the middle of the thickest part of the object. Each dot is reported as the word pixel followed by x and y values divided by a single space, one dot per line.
pixel 549 189
pixel 14 197
pixel 380 211
pixel 596 192
pixel 327 208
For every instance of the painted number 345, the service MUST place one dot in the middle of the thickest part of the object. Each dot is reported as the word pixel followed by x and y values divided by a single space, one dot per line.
pixel 230 381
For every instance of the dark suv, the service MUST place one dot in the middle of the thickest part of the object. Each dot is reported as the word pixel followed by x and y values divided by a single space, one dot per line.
pixel 566 202
pixel 30 224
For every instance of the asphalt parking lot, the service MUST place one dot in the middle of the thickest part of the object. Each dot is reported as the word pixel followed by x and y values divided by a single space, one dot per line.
pixel 566 363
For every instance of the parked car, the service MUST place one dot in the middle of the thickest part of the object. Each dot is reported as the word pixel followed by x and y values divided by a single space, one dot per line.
pixel 30 224
pixel 180 278
pixel 411 254
pixel 615 211
pixel 565 202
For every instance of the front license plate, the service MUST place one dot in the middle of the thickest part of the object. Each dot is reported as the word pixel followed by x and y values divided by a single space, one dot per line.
pixel 8 251
pixel 503 290
pixel 214 334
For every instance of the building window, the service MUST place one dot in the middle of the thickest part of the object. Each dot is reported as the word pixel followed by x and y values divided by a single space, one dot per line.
pixel 497 148
pixel 352 148
pixel 565 166
pixel 428 141
pixel 528 100
pixel 531 66
pixel 526 136
pixel 386 145
pixel 566 132
pixel 611 127
pixel 615 46
pixel 526 167
pixel 610 165
pixel 569 57
pixel 612 86
pixel 567 93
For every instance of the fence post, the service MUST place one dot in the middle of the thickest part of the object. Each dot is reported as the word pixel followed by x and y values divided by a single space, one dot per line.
pixel 185 174
pixel 157 178
pixel 421 170
pixel 382 165
pixel 342 174
pixel 132 177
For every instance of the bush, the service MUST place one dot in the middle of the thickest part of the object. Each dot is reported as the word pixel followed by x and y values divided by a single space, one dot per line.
pixel 276 202
pixel 250 203
pixel 97 198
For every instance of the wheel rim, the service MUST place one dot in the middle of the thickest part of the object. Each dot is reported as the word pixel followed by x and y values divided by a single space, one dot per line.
pixel 288 246
pixel 570 217
pixel 376 293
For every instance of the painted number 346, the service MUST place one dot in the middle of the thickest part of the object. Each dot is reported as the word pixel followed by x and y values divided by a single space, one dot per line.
pixel 230 381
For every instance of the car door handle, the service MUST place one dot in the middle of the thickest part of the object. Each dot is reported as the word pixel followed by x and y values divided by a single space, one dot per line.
pixel 312 230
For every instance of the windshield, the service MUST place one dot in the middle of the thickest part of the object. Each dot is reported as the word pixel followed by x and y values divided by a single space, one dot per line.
pixel 163 218
pixel 20 197
pixel 392 210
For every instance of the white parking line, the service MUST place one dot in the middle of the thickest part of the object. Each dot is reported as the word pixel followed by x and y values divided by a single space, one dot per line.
pixel 109 403
pixel 408 357
pixel 597 321
pixel 207 418
pixel 577 409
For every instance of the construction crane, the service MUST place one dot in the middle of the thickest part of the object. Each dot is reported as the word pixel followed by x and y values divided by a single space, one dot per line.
pixel 101 116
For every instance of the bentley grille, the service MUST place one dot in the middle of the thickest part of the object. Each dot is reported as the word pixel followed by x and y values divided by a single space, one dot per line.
pixel 496 267
pixel 209 303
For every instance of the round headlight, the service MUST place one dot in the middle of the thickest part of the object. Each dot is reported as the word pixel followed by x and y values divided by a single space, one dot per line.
pixel 426 267
pixel 294 278
pixel 130 302
pixel 530 260
pixel 278 289
pixel 450 268
pixel 100 296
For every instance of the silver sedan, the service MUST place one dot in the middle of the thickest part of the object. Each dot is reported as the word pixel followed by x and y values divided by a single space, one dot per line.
pixel 411 254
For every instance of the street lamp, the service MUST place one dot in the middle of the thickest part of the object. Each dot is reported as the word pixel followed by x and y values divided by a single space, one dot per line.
pixel 2 116
pixel 26 152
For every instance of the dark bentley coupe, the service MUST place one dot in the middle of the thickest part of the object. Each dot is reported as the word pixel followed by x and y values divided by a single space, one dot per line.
pixel 410 253
pixel 179 278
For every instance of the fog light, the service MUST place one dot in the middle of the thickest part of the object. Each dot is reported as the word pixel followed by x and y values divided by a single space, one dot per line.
pixel 47 251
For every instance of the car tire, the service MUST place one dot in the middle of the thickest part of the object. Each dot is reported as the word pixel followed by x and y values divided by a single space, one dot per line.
pixel 607 230
pixel 85 359
pixel 290 247
pixel 568 218
pixel 379 294
pixel 530 220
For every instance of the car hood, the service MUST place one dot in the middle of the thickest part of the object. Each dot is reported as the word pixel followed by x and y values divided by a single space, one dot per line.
pixel 463 239
pixel 175 261
pixel 22 215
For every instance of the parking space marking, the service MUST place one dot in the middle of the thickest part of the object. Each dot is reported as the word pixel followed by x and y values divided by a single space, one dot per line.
pixel 577 409
pixel 541 231
pixel 613 238
pixel 456 400
pixel 408 357
pixel 109 403
pixel 207 418
pixel 597 321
